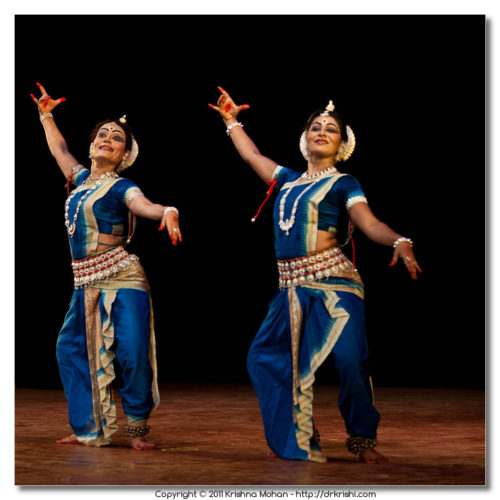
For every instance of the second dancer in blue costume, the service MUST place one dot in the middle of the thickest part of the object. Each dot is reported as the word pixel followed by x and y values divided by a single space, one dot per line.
pixel 318 311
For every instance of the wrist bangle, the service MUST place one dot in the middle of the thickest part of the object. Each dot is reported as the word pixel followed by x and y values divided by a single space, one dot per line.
pixel 168 209
pixel 400 240
pixel 46 115
pixel 235 124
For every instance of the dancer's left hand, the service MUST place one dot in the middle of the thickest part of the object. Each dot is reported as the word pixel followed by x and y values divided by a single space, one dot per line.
pixel 171 220
pixel 404 251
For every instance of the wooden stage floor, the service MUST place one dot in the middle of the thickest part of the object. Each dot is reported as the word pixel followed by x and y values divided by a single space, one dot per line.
pixel 212 435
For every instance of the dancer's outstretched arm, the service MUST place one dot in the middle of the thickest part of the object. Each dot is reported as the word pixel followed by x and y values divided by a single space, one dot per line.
pixel 262 165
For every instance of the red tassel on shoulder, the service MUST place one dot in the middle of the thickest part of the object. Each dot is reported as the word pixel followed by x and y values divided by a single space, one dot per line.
pixel 70 178
pixel 271 185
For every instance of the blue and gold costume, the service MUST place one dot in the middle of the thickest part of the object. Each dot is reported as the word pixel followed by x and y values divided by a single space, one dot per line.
pixel 108 331
pixel 317 312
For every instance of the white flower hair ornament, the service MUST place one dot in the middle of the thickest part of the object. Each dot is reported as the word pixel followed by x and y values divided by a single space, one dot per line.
pixel 346 148
pixel 130 158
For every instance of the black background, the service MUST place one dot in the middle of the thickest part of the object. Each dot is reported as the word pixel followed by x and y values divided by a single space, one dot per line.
pixel 412 88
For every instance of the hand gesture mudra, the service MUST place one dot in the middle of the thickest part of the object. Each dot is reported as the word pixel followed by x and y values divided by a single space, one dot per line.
pixel 170 220
pixel 404 252
pixel 226 106
pixel 45 103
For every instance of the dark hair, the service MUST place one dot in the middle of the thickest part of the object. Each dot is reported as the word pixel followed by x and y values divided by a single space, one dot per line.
pixel 125 126
pixel 334 114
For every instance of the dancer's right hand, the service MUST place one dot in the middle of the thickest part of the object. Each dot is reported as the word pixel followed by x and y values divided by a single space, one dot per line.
pixel 46 104
pixel 227 108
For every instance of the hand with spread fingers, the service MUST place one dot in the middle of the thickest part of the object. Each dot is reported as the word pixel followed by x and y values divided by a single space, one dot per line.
pixel 403 250
pixel 45 103
pixel 227 108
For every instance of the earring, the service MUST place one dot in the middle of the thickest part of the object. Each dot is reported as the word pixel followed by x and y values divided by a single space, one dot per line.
pixel 125 161
pixel 91 151
pixel 339 156
pixel 303 146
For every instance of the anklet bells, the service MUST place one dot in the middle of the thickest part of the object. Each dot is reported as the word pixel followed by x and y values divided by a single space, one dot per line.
pixel 359 443
pixel 136 430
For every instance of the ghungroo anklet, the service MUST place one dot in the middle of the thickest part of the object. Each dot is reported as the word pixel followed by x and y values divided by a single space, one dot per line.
pixel 136 430
pixel 357 444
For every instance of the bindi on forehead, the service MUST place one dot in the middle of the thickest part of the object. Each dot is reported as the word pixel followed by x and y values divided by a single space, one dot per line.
pixel 325 121
pixel 110 128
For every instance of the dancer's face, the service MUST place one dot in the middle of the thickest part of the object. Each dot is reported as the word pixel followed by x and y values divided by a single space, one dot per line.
pixel 323 137
pixel 109 143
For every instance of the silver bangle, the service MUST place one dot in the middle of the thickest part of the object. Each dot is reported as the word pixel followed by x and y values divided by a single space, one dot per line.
pixel 46 115
pixel 400 240
pixel 168 209
pixel 235 124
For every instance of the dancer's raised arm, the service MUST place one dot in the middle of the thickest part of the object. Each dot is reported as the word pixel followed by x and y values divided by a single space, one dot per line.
pixel 55 140
pixel 262 165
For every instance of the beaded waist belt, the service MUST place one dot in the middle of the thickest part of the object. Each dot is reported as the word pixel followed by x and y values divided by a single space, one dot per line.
pixel 101 266
pixel 326 264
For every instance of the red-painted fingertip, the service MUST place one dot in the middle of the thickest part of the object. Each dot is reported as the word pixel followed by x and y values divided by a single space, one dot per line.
pixel 32 96
pixel 245 106
pixel 39 84
pixel 161 228
pixel 62 99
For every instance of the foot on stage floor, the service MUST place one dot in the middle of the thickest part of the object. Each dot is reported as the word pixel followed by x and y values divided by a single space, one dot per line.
pixel 139 443
pixel 371 456
pixel 69 440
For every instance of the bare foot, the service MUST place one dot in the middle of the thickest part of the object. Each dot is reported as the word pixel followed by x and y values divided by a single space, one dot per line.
pixel 272 454
pixel 371 456
pixel 69 440
pixel 139 443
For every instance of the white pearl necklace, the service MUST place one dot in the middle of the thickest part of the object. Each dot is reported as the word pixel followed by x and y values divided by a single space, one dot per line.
pixel 91 179
pixel 287 224
pixel 94 183
pixel 321 173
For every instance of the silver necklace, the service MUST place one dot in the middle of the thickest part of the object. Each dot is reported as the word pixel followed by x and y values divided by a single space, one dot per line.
pixel 91 179
pixel 321 173
pixel 93 183
pixel 287 224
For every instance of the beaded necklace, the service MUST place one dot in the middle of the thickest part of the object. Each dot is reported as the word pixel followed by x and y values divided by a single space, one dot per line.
pixel 287 224
pixel 92 183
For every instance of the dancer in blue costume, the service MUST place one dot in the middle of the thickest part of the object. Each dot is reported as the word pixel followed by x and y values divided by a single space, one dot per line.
pixel 108 333
pixel 318 311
